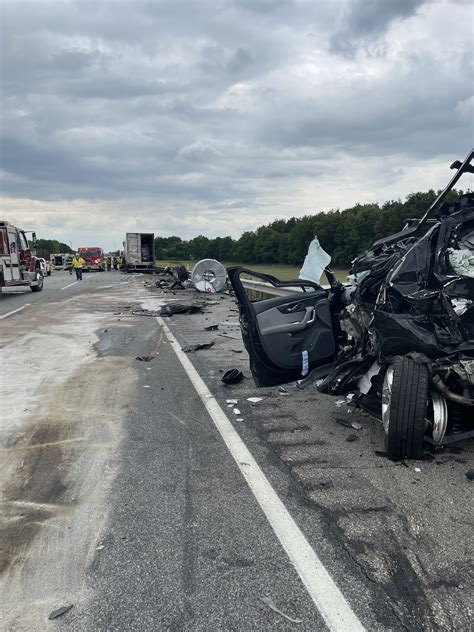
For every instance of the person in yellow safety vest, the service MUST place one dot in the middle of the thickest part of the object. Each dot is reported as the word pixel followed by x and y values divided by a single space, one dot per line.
pixel 78 264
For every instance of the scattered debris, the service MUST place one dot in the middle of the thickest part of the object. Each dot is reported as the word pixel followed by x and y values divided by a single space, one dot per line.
pixel 348 424
pixel 282 391
pixel 198 347
pixel 237 350
pixel 180 308
pixel 100 547
pixel 145 386
pixel 211 328
pixel 237 411
pixel 59 612
pixel 470 474
pixel 417 469
pixel 340 402
pixel 352 437
pixel 146 312
pixel 268 601
pixel 230 336
pixel 239 419
pixel 232 401
pixel 232 376
pixel 144 358
pixel 254 400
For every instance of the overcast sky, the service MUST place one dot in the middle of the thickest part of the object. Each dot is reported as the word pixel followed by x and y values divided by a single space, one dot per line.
pixel 214 117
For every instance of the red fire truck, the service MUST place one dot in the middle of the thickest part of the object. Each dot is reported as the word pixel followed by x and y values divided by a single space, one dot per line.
pixel 94 258
pixel 19 266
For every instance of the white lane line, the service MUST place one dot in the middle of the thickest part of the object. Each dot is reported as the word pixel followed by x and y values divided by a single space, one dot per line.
pixel 70 285
pixel 14 311
pixel 326 596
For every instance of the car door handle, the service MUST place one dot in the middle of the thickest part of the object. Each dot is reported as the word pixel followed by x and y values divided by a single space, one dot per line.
pixel 290 328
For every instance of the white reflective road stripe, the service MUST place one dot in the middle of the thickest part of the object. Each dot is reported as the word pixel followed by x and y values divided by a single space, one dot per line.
pixel 70 285
pixel 14 311
pixel 326 596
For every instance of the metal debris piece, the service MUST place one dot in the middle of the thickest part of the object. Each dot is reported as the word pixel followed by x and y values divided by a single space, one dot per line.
pixel 231 401
pixel 254 400
pixel 282 390
pixel 144 358
pixel 59 612
pixel 268 601
pixel 180 308
pixel 237 411
pixel 209 276
pixel 198 347
pixel 348 424
pixel 230 336
pixel 211 328
pixel 232 376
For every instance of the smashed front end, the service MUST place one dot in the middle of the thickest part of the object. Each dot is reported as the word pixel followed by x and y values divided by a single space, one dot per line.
pixel 412 295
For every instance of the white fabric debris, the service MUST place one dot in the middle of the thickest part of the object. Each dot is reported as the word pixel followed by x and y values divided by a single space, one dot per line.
pixel 462 261
pixel 315 262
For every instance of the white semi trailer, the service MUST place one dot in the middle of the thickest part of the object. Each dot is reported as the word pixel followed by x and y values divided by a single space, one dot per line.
pixel 139 252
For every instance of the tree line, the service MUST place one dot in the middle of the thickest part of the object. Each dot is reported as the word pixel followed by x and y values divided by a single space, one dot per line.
pixel 342 233
pixel 45 247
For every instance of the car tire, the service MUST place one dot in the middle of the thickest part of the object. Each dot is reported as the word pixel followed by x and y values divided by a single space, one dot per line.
pixel 404 406
pixel 39 278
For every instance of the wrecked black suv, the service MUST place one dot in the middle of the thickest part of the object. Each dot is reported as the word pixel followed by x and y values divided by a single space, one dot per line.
pixel 400 333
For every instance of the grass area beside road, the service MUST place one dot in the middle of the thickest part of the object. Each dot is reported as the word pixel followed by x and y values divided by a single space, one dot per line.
pixel 280 271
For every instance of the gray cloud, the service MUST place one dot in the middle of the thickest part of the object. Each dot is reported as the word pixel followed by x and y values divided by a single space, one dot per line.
pixel 226 115
pixel 366 21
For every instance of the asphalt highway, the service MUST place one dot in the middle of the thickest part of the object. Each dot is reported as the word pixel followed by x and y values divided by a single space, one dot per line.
pixel 134 492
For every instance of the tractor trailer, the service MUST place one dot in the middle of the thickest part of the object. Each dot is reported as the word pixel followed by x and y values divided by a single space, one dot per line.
pixel 139 252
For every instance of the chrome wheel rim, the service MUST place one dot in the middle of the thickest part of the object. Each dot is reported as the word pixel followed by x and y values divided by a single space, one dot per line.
pixel 387 397
pixel 440 417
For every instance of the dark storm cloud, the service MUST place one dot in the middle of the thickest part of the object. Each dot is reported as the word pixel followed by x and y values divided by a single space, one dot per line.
pixel 364 19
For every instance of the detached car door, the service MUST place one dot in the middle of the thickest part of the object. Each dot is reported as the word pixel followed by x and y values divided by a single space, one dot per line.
pixel 285 336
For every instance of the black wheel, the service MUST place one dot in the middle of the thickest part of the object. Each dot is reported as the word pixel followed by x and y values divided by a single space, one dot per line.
pixel 404 406
pixel 39 279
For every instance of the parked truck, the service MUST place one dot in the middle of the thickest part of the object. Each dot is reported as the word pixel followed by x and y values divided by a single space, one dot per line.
pixel 139 252
pixel 94 258
pixel 19 265
pixel 60 261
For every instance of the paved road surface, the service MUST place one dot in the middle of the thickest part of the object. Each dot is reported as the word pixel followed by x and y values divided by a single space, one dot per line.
pixel 121 495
